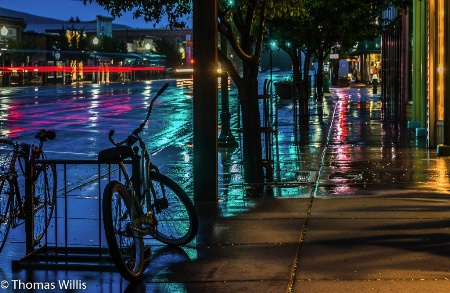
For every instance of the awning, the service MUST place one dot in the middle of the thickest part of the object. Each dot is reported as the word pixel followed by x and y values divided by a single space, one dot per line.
pixel 367 47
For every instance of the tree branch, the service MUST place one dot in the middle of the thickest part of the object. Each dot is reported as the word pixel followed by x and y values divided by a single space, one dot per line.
pixel 226 29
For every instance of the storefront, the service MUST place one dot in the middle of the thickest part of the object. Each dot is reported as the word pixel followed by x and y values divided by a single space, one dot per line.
pixel 369 53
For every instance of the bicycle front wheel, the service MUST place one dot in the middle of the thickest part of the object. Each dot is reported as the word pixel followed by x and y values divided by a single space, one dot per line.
pixel 177 220
pixel 6 198
pixel 44 198
pixel 126 245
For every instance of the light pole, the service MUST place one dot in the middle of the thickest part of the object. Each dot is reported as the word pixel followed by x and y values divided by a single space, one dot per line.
pixel 183 55
pixel 226 138
pixel 95 42
pixel 4 33
pixel 272 46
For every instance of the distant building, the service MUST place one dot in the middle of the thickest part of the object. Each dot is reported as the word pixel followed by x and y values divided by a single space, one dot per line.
pixel 104 26
pixel 138 40
pixel 10 29
pixel 141 40
pixel 41 58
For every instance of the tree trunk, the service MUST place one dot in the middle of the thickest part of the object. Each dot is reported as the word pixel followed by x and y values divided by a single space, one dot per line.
pixel 320 77
pixel 296 74
pixel 308 55
pixel 252 150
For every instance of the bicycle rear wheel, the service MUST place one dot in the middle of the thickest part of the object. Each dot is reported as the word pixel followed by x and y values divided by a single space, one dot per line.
pixel 44 199
pixel 126 245
pixel 177 220
pixel 5 209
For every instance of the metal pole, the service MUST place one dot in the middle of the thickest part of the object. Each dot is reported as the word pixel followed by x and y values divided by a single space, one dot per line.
pixel 29 212
pixel 226 138
pixel 205 28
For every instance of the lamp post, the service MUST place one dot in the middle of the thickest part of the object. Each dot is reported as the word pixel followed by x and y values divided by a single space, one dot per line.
pixel 4 33
pixel 273 45
pixel 183 56
pixel 226 138
pixel 95 42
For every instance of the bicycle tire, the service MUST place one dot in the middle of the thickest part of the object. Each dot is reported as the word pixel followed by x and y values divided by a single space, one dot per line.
pixel 126 246
pixel 177 223
pixel 5 209
pixel 44 199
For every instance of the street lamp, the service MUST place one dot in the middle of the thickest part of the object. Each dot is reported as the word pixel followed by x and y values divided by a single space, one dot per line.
pixel 272 47
pixel 95 42
pixel 183 55
pixel 4 33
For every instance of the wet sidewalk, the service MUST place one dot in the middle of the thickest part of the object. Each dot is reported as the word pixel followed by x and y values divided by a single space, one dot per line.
pixel 359 205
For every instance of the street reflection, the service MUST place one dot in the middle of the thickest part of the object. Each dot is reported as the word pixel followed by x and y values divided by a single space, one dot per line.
pixel 346 148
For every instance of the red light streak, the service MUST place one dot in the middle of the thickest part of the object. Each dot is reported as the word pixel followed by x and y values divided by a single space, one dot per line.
pixel 84 69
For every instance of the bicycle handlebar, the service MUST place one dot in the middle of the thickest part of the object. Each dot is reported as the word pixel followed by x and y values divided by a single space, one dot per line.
pixel 8 141
pixel 42 135
pixel 134 136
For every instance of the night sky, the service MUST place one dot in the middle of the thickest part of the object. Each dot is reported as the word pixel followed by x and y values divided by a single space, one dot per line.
pixel 65 9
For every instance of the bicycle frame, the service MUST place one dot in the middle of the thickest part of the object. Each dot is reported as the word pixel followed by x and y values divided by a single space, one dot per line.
pixel 147 203
pixel 141 186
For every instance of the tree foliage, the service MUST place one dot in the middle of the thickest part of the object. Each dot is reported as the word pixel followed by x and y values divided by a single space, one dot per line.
pixel 326 24
pixel 242 22
pixel 164 47
pixel 150 10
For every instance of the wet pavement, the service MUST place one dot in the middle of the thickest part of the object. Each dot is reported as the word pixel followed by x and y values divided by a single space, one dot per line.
pixel 359 204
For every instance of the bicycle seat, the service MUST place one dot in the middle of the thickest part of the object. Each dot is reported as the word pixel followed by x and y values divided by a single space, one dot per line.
pixel 45 135
pixel 115 155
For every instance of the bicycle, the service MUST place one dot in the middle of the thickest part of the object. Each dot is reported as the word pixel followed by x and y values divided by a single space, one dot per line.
pixel 152 204
pixel 13 210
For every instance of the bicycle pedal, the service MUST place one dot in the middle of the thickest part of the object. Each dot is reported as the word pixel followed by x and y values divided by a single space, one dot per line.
pixel 147 218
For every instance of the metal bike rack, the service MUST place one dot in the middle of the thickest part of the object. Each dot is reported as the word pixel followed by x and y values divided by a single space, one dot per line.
pixel 56 250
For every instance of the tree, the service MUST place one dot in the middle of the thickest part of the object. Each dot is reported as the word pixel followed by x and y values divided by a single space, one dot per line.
pixel 20 50
pixel 164 47
pixel 61 42
pixel 150 10
pixel 242 22
pixel 325 25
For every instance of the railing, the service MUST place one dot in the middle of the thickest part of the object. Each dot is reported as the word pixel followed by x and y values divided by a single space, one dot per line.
pixel 75 237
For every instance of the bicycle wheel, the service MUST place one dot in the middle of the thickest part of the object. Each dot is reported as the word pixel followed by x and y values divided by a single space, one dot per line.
pixel 126 245
pixel 177 220
pixel 44 198
pixel 5 209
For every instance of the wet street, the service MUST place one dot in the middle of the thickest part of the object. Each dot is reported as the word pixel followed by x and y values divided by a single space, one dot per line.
pixel 346 150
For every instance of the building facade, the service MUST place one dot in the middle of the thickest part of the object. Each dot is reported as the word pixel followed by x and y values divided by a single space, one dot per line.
pixel 430 62
pixel 181 39
pixel 416 60
pixel 30 55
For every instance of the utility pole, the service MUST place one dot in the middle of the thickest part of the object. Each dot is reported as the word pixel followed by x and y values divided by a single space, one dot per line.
pixel 205 30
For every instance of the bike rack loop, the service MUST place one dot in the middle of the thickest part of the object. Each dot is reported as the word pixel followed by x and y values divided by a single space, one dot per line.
pixel 50 253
